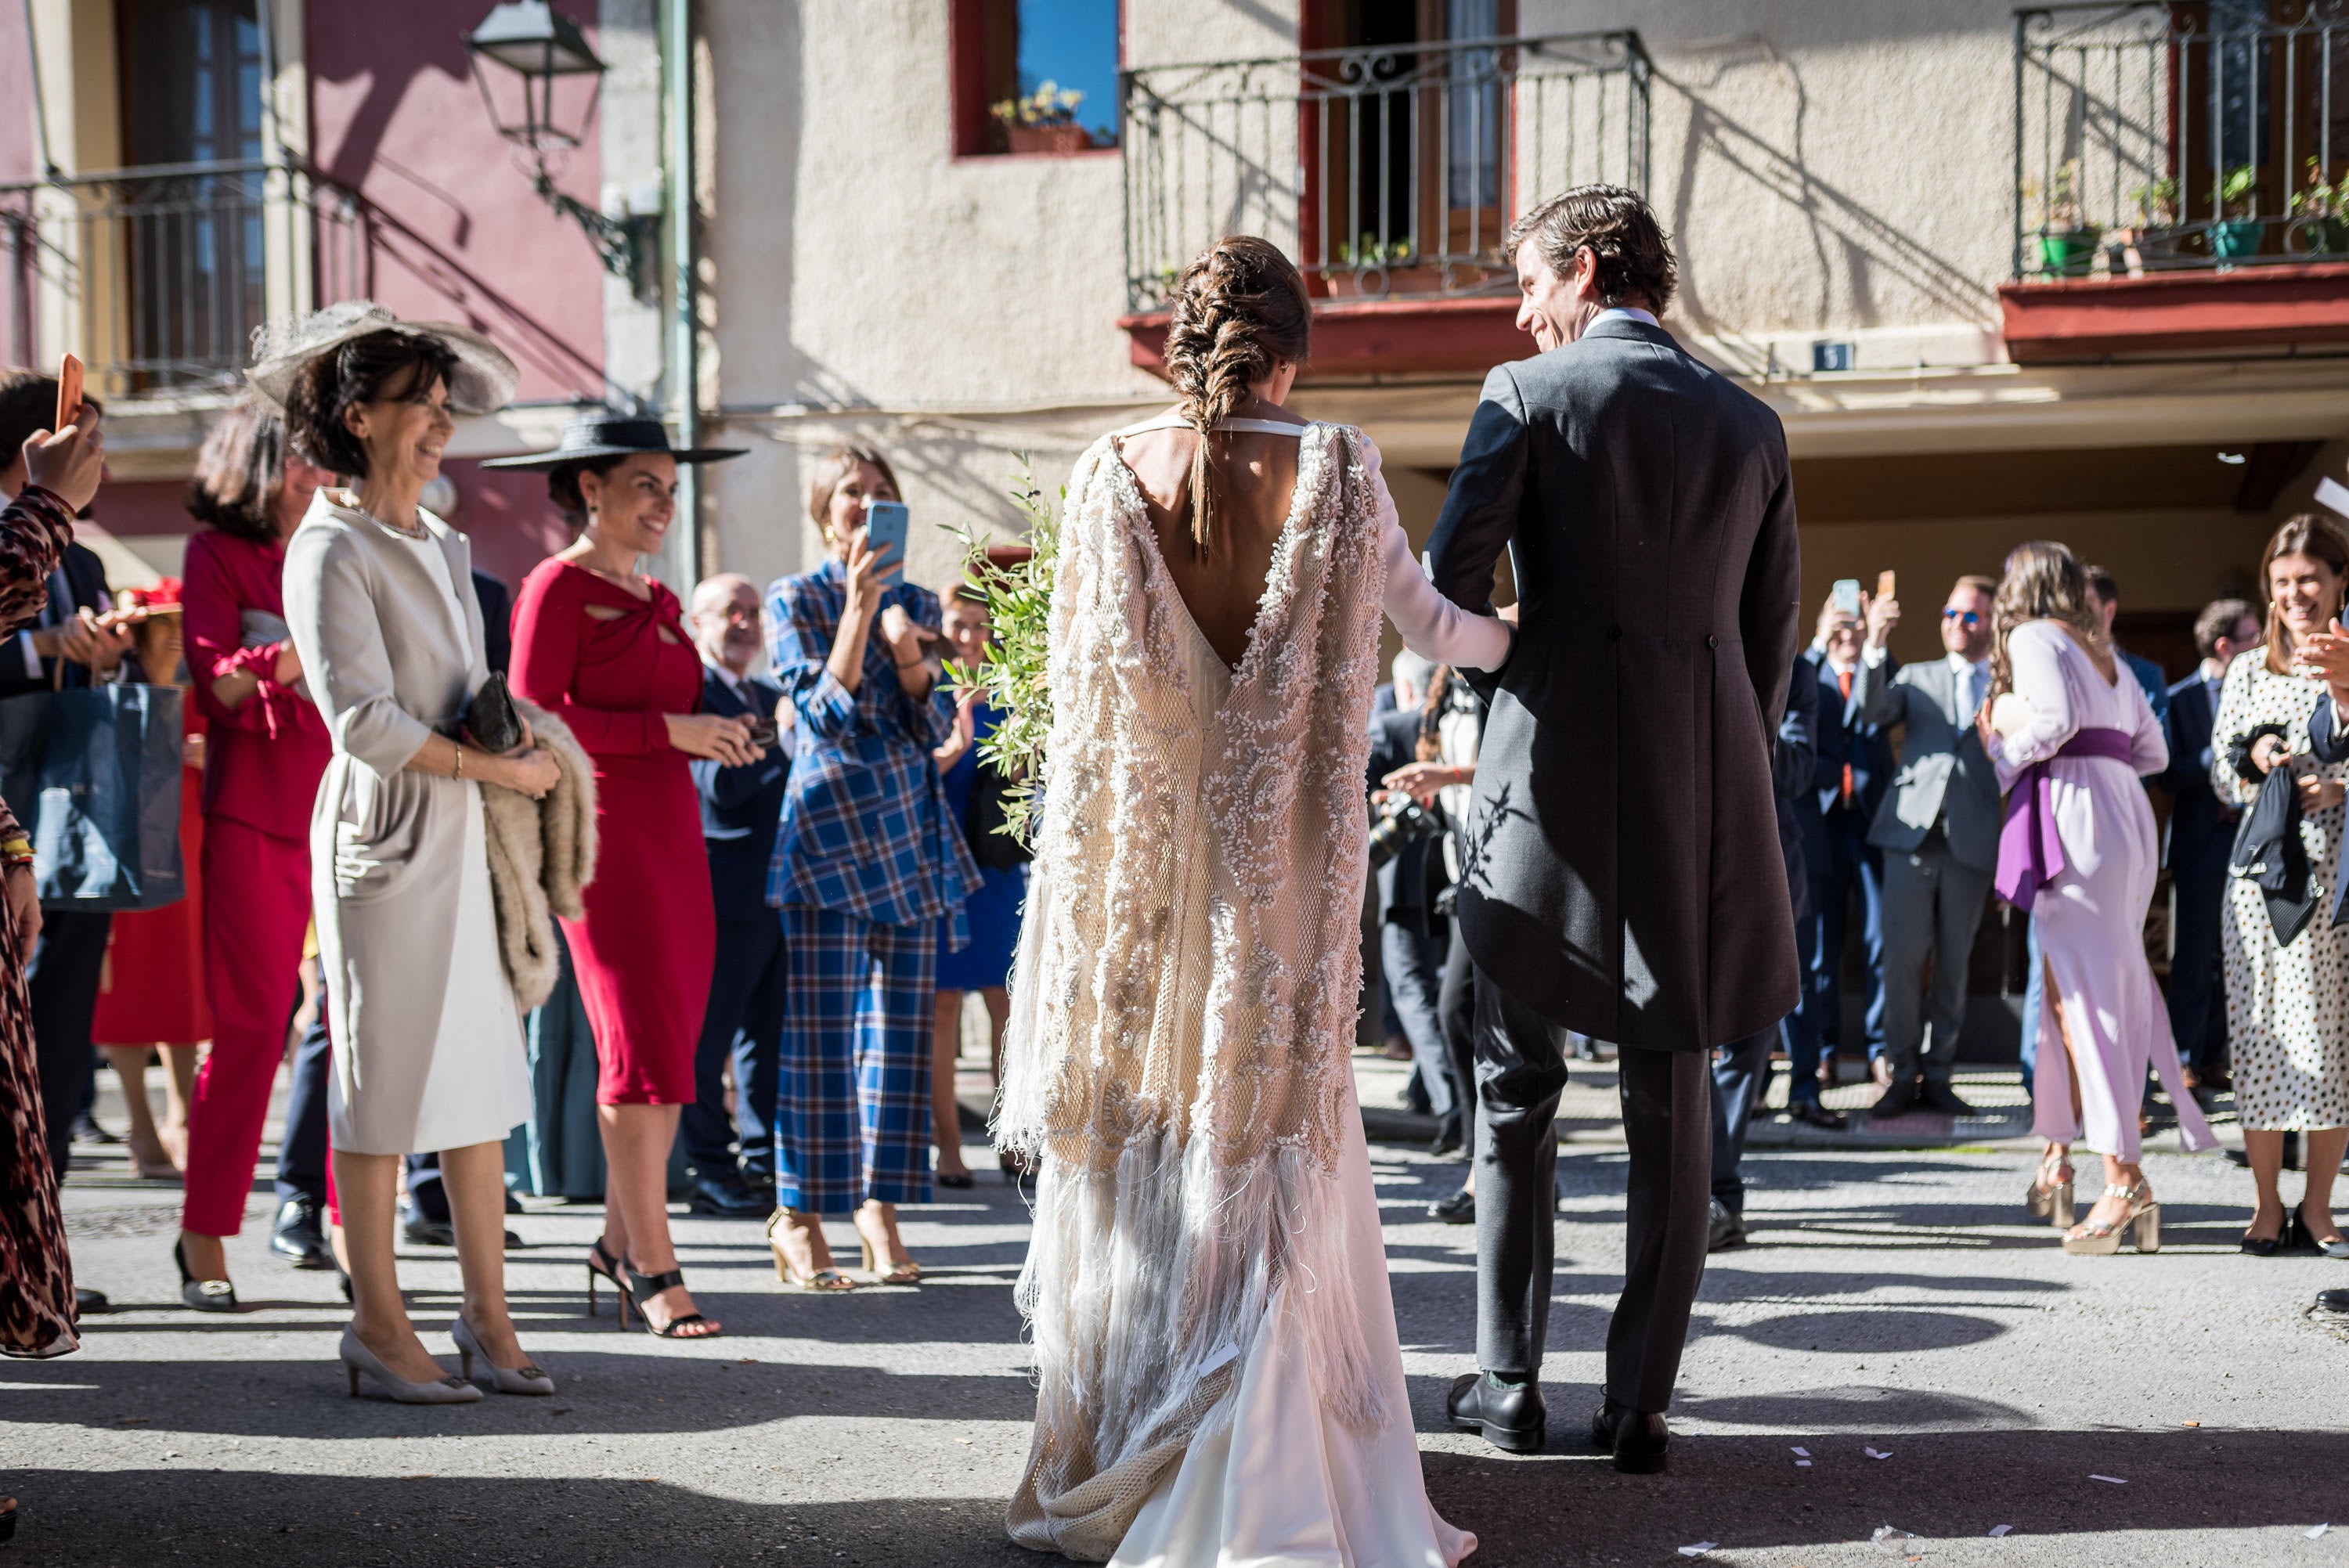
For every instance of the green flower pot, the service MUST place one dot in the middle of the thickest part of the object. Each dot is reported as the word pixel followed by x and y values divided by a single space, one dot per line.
pixel 2238 238
pixel 2066 253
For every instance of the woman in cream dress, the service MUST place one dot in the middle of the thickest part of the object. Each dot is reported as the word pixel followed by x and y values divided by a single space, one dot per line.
pixel 427 1044
pixel 1220 1380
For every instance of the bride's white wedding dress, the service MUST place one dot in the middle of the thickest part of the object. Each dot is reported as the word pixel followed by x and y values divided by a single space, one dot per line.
pixel 1220 1381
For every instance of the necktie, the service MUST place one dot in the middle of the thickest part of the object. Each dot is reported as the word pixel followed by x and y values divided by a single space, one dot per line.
pixel 1843 680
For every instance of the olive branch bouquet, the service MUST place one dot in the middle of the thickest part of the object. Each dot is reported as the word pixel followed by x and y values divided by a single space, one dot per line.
pixel 1011 677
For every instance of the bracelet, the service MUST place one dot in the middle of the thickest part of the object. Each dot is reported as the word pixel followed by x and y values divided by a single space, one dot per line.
pixel 16 852
pixel 460 774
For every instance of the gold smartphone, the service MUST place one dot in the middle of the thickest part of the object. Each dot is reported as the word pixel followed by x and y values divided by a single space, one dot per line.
pixel 1884 586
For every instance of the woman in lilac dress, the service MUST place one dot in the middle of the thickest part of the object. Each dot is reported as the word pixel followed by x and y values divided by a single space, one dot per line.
pixel 2069 734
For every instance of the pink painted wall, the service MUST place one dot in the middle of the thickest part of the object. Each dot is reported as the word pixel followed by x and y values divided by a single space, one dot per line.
pixel 507 516
pixel 460 236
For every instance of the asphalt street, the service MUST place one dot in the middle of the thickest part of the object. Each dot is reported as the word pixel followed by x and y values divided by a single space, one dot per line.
pixel 1894 1302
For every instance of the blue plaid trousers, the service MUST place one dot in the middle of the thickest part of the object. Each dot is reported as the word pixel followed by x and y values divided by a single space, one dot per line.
pixel 854 1112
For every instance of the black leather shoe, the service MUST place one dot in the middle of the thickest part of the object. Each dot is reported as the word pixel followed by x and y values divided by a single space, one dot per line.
pixel 1811 1113
pixel 725 1200
pixel 761 1183
pixel 1460 1209
pixel 2334 1300
pixel 1942 1097
pixel 1724 1229
pixel 1602 1424
pixel 1642 1443
pixel 1447 1136
pixel 298 1238
pixel 1896 1100
pixel 429 1232
pixel 1512 1418
pixel 90 1301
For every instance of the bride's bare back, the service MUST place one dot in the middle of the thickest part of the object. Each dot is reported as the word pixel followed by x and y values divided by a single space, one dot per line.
pixel 1256 485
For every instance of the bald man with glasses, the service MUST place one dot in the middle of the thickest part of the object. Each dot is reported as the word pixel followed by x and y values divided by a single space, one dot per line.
pixel 1938 827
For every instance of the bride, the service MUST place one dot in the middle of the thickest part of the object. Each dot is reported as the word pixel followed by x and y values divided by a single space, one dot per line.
pixel 1220 1378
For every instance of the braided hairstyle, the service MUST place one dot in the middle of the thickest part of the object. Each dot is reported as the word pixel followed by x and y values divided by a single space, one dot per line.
pixel 1238 310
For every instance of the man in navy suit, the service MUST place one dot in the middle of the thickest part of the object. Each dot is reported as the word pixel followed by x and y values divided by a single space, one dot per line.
pixel 2201 836
pixel 740 809
pixel 1848 782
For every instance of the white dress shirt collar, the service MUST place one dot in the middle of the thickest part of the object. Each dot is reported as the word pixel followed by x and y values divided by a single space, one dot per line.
pixel 1632 311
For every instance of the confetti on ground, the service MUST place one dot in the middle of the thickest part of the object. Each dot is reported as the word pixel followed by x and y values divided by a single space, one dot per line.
pixel 2320 1530
pixel 1700 1548
pixel 1802 1464
pixel 1893 1540
pixel 1998 1530
pixel 1871 1453
pixel 2110 1480
pixel 2189 1423
pixel 1801 1452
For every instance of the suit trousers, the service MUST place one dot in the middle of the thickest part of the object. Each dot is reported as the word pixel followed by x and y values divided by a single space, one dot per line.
pixel 1933 907
pixel 2197 997
pixel 1667 1128
pixel 1852 865
pixel 745 1022
pixel 302 1148
pixel 1741 1076
pixel 257 907
pixel 1455 1011
pixel 62 980
pixel 855 1098
pixel 1414 972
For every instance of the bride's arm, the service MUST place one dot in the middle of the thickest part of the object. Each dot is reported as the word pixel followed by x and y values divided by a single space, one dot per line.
pixel 1431 626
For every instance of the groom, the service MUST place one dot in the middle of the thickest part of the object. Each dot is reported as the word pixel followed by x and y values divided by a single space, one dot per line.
pixel 1623 876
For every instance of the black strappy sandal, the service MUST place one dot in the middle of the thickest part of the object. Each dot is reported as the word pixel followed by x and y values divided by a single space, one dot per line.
pixel 603 1264
pixel 644 1287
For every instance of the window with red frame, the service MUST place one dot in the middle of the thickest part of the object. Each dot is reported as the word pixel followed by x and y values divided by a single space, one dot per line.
pixel 1035 76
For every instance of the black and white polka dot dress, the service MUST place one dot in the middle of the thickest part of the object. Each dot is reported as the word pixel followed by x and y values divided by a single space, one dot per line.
pixel 2287 1009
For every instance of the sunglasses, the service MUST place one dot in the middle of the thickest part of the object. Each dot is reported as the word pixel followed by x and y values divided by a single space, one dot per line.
pixel 1969 618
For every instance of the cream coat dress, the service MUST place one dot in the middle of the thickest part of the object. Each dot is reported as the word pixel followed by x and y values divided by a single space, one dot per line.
pixel 428 1046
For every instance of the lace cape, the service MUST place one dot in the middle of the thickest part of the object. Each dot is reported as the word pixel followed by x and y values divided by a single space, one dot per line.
pixel 1184 997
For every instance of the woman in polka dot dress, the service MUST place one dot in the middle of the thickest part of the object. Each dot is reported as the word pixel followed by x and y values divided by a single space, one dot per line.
pixel 2288 1006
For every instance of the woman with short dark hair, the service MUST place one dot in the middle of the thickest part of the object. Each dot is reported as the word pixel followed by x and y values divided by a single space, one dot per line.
pixel 266 748
pixel 601 646
pixel 428 1040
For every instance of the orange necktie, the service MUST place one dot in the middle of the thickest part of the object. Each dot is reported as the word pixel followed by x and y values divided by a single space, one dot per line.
pixel 1843 679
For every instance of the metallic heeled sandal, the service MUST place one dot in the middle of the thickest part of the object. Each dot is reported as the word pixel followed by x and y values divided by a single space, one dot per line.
pixel 2143 1217
pixel 2051 1195
pixel 828 1282
pixel 522 1379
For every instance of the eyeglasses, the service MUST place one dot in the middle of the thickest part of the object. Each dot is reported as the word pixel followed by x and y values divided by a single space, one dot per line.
pixel 1971 618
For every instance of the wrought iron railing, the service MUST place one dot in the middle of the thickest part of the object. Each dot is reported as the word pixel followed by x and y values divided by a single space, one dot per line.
pixel 2157 137
pixel 1386 171
pixel 156 276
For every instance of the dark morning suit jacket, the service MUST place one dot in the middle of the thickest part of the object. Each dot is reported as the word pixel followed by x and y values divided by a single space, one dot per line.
pixel 2328 741
pixel 1794 761
pixel 741 807
pixel 1844 738
pixel 1410 881
pixel 2195 826
pixel 497 620
pixel 85 577
pixel 1943 767
pixel 1622 873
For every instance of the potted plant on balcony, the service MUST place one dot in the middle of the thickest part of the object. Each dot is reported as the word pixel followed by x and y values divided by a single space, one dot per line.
pixel 2154 238
pixel 2319 222
pixel 1044 121
pixel 1377 267
pixel 2241 230
pixel 2065 245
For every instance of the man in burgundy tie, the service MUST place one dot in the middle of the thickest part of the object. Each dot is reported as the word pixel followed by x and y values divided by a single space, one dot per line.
pixel 1855 764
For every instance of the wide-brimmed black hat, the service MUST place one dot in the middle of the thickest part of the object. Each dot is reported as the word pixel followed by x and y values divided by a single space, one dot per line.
pixel 601 433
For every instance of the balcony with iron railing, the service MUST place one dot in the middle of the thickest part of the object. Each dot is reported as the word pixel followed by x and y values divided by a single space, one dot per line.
pixel 2182 176
pixel 1392 172
pixel 156 276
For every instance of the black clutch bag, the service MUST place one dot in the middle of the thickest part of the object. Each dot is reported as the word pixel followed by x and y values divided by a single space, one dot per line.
pixel 492 718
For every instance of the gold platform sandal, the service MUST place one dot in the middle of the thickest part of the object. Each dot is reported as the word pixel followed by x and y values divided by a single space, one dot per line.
pixel 2143 1215
pixel 2050 1198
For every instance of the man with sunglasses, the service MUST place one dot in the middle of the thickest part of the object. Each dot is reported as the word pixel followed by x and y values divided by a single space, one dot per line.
pixel 1938 827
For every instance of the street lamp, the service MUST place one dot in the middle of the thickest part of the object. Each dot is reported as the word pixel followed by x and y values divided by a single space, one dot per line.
pixel 540 46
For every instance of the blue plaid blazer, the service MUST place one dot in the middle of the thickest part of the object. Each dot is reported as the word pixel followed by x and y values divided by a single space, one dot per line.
pixel 866 827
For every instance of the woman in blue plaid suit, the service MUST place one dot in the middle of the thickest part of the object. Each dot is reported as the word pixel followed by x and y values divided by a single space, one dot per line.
pixel 866 862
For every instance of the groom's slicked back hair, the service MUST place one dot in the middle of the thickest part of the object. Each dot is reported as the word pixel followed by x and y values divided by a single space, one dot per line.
pixel 1635 260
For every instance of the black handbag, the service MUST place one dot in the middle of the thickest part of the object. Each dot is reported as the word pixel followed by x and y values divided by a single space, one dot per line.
pixel 994 848
pixel 492 718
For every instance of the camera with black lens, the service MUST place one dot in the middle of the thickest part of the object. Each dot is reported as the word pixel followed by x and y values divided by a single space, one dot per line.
pixel 1402 823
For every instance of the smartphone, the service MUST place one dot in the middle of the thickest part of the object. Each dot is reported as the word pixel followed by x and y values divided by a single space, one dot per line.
pixel 885 522
pixel 1846 595
pixel 1885 588
pixel 763 734
pixel 69 392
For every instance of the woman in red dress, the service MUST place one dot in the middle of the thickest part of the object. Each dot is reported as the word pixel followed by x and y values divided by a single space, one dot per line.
pixel 150 995
pixel 603 648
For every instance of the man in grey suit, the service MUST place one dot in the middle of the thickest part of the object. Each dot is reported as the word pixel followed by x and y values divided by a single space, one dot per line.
pixel 1620 872
pixel 1938 827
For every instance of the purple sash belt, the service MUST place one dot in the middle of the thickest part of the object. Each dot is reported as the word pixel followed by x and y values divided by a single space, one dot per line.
pixel 2029 853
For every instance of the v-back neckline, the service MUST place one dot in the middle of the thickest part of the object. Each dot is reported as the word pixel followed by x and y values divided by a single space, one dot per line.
pixel 1277 576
